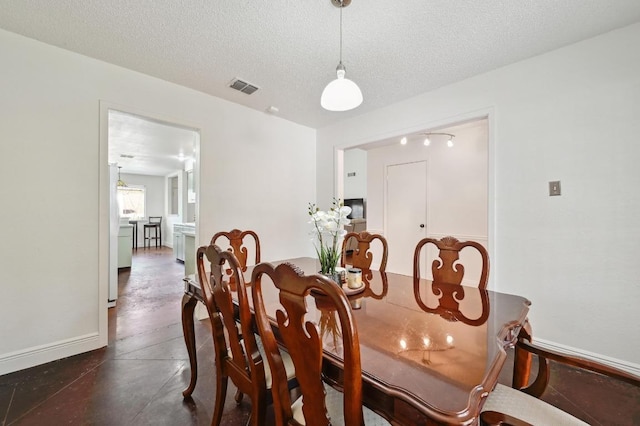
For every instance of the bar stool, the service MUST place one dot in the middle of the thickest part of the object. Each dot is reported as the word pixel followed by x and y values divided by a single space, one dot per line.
pixel 155 224
pixel 134 240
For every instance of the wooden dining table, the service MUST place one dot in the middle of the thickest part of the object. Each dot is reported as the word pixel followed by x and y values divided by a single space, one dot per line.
pixel 429 356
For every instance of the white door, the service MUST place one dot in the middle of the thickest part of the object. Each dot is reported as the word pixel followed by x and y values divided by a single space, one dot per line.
pixel 406 213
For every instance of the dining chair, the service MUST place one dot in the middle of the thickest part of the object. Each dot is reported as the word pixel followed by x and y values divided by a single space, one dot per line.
pixel 507 405
pixel 362 257
pixel 319 404
pixel 446 268
pixel 237 244
pixel 237 352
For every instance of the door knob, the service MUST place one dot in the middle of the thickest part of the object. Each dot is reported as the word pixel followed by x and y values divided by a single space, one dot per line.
pixel 422 225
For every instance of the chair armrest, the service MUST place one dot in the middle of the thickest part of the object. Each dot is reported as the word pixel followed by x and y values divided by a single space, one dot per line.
pixel 544 355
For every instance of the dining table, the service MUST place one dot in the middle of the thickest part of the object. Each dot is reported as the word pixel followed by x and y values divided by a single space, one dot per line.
pixel 430 353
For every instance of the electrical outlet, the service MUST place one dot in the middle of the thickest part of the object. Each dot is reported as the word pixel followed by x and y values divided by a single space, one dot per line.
pixel 554 188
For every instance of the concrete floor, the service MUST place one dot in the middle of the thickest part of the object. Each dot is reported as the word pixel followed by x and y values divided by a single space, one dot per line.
pixel 139 377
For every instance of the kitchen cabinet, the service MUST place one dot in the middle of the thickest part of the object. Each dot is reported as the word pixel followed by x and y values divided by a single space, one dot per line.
pixel 189 253
pixel 178 244
pixel 125 237
pixel 179 231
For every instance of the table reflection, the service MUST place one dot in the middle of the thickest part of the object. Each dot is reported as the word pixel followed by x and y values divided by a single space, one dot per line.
pixel 447 299
pixel 373 280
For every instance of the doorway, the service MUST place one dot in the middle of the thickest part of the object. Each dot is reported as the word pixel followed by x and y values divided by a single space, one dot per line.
pixel 149 149
pixel 454 200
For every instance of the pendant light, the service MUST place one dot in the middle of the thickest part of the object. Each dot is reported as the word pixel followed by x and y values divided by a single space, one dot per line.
pixel 341 94
pixel 120 183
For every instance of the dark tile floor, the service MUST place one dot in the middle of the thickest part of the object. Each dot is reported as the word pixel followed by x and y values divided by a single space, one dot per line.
pixel 139 377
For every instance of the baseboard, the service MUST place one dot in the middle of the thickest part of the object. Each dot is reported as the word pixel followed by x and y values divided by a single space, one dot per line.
pixel 627 366
pixel 36 355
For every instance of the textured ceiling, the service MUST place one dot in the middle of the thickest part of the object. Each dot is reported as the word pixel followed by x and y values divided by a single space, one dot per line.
pixel 143 146
pixel 290 48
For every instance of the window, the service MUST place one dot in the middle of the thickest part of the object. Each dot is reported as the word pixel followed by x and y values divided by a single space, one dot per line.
pixel 131 202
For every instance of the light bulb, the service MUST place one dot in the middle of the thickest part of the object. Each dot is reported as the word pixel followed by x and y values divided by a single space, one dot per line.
pixel 403 141
pixel 450 143
pixel 427 141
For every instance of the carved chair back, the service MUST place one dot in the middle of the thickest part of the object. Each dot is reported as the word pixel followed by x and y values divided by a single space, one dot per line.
pixel 237 245
pixel 447 278
pixel 303 341
pixel 361 256
pixel 446 268
pixel 236 353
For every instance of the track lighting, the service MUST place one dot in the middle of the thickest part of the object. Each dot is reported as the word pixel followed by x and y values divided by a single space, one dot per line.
pixel 428 138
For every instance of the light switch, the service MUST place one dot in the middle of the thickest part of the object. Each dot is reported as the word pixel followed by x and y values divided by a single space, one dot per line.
pixel 554 188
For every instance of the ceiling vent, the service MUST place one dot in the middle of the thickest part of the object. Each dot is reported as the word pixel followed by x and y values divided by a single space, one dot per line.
pixel 242 86
pixel 126 156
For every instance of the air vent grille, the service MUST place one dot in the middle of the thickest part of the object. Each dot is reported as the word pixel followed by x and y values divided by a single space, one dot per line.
pixel 243 86
pixel 126 156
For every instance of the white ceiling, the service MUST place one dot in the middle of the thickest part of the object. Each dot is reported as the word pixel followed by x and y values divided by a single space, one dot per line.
pixel 157 148
pixel 289 48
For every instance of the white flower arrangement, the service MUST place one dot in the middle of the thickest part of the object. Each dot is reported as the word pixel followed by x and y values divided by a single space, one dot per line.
pixel 328 231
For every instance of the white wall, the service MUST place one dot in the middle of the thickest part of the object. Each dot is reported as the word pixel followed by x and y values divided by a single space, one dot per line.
pixel 569 115
pixel 355 161
pixel 155 200
pixel 52 275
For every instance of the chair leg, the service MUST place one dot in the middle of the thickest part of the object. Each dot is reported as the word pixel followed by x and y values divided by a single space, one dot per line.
pixel 238 396
pixel 188 308
pixel 258 410
pixel 221 395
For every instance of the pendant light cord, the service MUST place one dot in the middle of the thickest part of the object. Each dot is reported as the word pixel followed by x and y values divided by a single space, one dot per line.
pixel 341 7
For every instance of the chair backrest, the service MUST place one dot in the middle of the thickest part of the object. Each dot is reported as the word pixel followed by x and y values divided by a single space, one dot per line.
pixel 155 220
pixel 236 242
pixel 361 256
pixel 244 362
pixel 304 343
pixel 445 268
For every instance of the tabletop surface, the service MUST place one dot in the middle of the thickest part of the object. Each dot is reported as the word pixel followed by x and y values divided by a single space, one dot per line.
pixel 443 362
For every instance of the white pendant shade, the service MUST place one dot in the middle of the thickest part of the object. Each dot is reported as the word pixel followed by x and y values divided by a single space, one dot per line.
pixel 341 94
